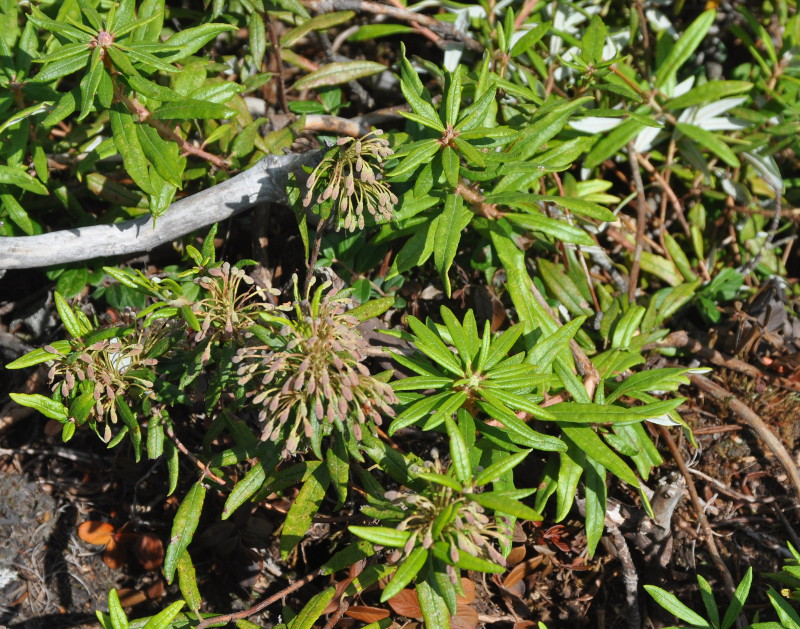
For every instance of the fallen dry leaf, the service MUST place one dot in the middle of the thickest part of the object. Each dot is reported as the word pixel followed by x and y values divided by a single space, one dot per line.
pixel 149 551
pixel 405 603
pixel 97 533
pixel 366 614
pixel 466 618
pixel 469 591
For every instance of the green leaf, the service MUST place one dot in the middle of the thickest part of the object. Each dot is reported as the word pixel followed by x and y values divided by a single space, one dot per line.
pixel 72 322
pixel 452 221
pixel 497 469
pixel 410 162
pixel 152 90
pixel 739 599
pixel 312 610
pixel 708 600
pixel 183 528
pixel 587 440
pixel 348 556
pixel 17 177
pixel 38 356
pixel 162 154
pixel 303 509
pixel 711 141
pixel 530 38
pixel 384 536
pixel 580 412
pixel 452 103
pixel 433 347
pixel 90 82
pixel 190 40
pixel 337 73
pixel 405 573
pixel 612 142
pixel 709 92
pixel 115 612
pixel 163 619
pixel 594 40
pixel 46 406
pixel 317 23
pixel 371 309
pixel 190 109
pixel 268 456
pixel 60 28
pixel 459 453
pixel 595 504
pixel 17 214
pixel 506 506
pixel 433 606
pixel 129 419
pixel 127 142
pixel 684 47
pixel 674 606
pixel 552 227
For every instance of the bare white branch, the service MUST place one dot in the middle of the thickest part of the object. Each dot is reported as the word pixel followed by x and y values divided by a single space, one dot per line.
pixel 266 181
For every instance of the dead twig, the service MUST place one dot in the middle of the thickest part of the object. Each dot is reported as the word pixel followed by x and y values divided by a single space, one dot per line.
pixel 753 421
pixel 629 576
pixel 264 182
pixel 711 544
pixel 681 340
pixel 276 53
pixel 258 607
pixel 404 15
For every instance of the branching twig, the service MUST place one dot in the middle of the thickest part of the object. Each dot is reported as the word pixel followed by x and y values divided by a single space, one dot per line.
pixel 364 6
pixel 214 620
pixel 144 115
pixel 266 181
pixel 207 473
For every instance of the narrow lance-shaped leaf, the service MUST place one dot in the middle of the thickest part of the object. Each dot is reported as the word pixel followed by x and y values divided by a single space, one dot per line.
pixel 337 73
pixel 183 527
pixel 684 47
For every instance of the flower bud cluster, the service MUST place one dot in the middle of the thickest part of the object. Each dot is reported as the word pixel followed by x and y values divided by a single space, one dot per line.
pixel 348 179
pixel 314 383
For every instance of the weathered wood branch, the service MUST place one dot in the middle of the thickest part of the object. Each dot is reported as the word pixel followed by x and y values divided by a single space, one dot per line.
pixel 264 182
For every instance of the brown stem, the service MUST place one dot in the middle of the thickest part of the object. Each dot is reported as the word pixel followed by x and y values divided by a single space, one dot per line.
pixel 711 544
pixel 276 51
pixel 185 451
pixel 527 8
pixel 478 203
pixel 144 115
pixel 258 607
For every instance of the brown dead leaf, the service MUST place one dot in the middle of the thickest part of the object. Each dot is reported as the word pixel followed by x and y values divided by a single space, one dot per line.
pixel 469 591
pixel 149 551
pixel 115 554
pixel 405 603
pixel 516 555
pixel 366 614
pixel 97 533
pixel 520 571
pixel 466 618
